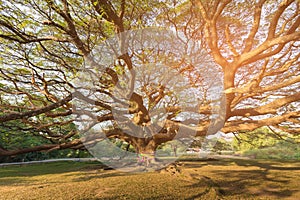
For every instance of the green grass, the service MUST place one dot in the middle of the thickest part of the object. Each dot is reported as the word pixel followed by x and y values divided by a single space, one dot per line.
pixel 199 179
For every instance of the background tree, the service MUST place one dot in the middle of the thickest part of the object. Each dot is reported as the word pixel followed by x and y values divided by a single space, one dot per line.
pixel 266 143
pixel 44 44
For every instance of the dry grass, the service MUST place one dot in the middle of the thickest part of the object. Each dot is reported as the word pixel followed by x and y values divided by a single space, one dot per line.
pixel 214 179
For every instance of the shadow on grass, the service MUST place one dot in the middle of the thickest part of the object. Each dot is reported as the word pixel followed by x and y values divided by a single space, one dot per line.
pixel 240 178
pixel 265 164
pixel 211 179
pixel 99 175
pixel 269 164
pixel 253 178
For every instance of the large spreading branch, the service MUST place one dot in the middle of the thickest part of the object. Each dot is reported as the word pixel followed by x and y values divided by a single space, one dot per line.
pixel 14 116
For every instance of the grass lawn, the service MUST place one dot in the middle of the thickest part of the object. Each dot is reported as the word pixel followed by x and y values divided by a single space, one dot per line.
pixel 198 179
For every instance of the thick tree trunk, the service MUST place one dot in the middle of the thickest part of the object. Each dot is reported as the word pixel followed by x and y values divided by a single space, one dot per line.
pixel 145 145
pixel 145 148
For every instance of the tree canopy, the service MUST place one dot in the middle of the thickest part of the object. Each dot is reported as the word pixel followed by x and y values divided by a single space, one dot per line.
pixel 50 49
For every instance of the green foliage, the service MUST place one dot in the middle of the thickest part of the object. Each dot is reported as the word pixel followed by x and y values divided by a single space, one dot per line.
pixel 34 156
pixel 171 148
pixel 259 138
pixel 111 148
pixel 214 144
pixel 221 145
pixel 264 144
pixel 15 135
pixel 282 150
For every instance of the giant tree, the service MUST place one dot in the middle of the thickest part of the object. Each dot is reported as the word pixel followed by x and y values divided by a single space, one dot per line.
pixel 46 46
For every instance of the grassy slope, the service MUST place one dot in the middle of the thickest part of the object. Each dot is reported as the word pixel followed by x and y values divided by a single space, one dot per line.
pixel 222 179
